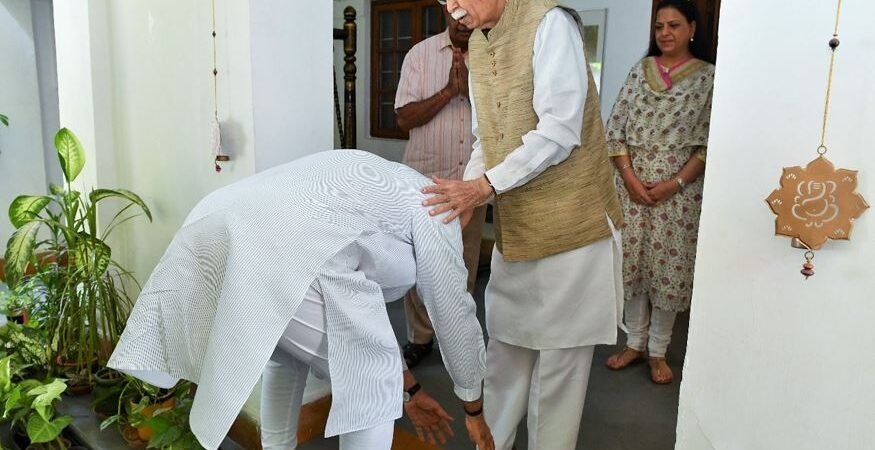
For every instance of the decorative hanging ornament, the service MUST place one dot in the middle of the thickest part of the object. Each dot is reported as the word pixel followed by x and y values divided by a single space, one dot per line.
pixel 215 125
pixel 817 202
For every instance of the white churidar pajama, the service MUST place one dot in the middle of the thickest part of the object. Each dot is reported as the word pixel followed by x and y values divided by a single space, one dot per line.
pixel 646 328
pixel 545 316
pixel 304 347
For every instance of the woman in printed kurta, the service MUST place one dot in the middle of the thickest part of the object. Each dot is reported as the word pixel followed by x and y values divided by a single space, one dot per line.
pixel 657 135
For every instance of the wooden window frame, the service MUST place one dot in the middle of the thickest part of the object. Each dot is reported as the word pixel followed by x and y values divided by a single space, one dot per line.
pixel 416 30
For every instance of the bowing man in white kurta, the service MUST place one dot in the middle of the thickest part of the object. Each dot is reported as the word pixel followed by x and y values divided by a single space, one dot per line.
pixel 345 228
pixel 544 315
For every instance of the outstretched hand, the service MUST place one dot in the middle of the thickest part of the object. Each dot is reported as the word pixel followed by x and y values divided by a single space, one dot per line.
pixel 431 421
pixel 456 196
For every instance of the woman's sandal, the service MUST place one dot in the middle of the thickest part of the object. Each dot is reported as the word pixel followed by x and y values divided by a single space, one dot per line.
pixel 660 372
pixel 624 358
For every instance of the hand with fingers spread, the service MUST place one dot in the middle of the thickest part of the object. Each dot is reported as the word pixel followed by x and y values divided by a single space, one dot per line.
pixel 456 196
pixel 431 421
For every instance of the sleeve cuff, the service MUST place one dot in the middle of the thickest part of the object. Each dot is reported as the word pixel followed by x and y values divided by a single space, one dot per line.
pixel 702 154
pixel 468 395
pixel 617 149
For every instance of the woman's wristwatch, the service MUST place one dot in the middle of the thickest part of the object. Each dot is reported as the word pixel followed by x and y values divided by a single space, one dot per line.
pixel 680 182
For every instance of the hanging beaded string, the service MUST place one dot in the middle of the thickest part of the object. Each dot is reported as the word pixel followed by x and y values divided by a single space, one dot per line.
pixel 808 265
pixel 217 135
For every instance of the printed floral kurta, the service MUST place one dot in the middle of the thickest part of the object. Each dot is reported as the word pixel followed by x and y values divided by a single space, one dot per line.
pixel 660 128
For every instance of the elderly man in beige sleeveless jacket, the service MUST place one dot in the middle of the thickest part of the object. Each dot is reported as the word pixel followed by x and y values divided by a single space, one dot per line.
pixel 556 285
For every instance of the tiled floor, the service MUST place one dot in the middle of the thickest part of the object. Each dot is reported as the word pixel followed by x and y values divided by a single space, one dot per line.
pixel 624 410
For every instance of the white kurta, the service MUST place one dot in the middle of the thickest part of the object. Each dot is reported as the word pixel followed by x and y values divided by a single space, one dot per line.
pixel 234 275
pixel 574 298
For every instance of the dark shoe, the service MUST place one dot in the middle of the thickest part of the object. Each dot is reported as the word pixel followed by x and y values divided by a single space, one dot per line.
pixel 414 353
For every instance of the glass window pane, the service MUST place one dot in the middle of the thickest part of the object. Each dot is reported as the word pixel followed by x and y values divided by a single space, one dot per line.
pixel 431 21
pixel 387 111
pixel 387 30
pixel 405 24
pixel 387 78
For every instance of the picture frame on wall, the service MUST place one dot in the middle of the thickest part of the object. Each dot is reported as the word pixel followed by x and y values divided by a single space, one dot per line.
pixel 594 24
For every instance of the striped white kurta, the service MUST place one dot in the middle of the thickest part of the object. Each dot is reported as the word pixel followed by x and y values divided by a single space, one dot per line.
pixel 442 146
pixel 234 275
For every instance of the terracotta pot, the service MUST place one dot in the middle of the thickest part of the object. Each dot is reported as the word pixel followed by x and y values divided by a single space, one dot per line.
pixel 130 435
pixel 18 316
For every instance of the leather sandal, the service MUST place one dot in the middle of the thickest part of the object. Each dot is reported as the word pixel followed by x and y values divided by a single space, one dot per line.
pixel 660 372
pixel 624 358
pixel 414 353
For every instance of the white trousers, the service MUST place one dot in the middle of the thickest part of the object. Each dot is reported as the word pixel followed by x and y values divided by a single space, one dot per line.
pixel 302 347
pixel 646 328
pixel 547 385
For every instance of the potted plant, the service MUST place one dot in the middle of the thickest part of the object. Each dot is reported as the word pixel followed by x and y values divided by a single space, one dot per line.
pixel 26 345
pixel 15 302
pixel 150 417
pixel 30 404
pixel 86 305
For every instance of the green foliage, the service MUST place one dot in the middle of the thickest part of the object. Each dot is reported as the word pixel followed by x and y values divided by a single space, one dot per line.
pixel 86 304
pixel 27 346
pixel 165 411
pixel 31 403
pixel 15 301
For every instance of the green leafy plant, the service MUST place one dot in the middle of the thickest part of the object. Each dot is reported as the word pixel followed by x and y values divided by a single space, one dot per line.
pixel 160 416
pixel 30 403
pixel 16 301
pixel 27 346
pixel 86 304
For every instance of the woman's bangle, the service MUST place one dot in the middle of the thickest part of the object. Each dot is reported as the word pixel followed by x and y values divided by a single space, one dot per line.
pixel 628 165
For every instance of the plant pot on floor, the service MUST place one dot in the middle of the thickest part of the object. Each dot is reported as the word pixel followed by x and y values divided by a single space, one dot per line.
pixel 108 386
pixel 79 379
pixel 18 316
pixel 132 438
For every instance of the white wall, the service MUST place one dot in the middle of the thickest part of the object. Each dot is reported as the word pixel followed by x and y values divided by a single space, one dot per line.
pixel 626 39
pixel 47 74
pixel 21 144
pixel 391 149
pixel 774 362
pixel 136 85
pixel 291 79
